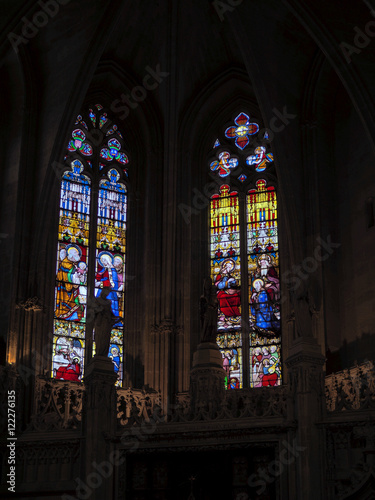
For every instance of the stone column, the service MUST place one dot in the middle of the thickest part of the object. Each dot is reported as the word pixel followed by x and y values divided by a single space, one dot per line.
pixel 207 378
pixel 306 382
pixel 99 423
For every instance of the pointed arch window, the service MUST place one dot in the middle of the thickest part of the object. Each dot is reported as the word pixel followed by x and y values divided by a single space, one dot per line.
pixel 244 255
pixel 91 246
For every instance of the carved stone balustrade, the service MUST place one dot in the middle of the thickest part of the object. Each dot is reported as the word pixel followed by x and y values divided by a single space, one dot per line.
pixel 58 405
pixel 351 389
pixel 135 406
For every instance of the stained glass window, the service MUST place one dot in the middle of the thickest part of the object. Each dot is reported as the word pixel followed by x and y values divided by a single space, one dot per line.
pixel 71 275
pixel 264 285
pixel 245 258
pixel 110 257
pixel 82 269
pixel 226 274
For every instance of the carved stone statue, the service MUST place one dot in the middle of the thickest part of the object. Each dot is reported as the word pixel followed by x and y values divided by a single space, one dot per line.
pixel 304 308
pixel 104 319
pixel 208 312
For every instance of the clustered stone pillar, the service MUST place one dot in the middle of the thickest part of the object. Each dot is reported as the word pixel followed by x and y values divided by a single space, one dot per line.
pixel 100 411
pixel 306 382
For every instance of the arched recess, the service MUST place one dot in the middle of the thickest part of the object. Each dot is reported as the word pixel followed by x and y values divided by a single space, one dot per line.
pixel 30 329
pixel 141 130
pixel 347 73
pixel 91 248
pixel 221 100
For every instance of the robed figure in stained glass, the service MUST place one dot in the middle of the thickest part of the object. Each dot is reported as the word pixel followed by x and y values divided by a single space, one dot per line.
pixel 268 273
pixel 261 308
pixel 229 294
pixel 70 372
pixel 107 277
pixel 68 305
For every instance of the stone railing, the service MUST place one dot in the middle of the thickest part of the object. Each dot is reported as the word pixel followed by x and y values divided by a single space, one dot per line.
pixel 351 389
pixel 135 407
pixel 58 405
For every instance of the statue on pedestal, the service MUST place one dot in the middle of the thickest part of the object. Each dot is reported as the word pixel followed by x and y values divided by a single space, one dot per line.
pixel 304 298
pixel 104 319
pixel 208 311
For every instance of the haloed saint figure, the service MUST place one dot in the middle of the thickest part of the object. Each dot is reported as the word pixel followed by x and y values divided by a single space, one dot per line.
pixel 71 281
pixel 229 293
pixel 264 300
pixel 110 275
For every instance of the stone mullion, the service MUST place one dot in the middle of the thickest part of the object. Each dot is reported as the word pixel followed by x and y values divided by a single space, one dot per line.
pixel 92 250
pixel 244 291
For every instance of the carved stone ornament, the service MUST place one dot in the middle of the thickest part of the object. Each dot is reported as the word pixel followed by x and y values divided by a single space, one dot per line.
pixel 30 304
pixel 165 327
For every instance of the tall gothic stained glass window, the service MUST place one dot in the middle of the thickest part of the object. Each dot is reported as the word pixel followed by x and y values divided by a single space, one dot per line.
pixel 91 246
pixel 244 255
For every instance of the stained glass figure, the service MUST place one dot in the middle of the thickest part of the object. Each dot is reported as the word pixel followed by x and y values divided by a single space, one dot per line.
pixel 231 350
pixel 260 158
pixel 68 351
pixel 242 130
pixel 264 284
pixel 265 365
pixel 116 354
pixel 224 165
